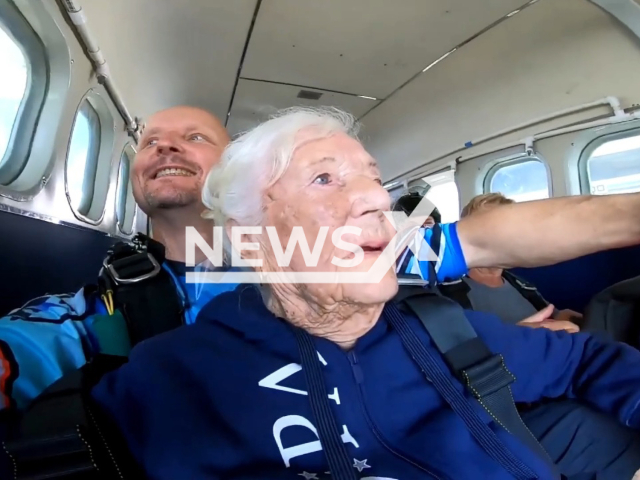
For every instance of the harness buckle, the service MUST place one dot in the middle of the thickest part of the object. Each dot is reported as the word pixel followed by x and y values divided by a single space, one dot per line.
pixel 109 267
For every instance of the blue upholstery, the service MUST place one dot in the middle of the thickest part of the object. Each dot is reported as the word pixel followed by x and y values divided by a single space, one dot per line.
pixel 572 284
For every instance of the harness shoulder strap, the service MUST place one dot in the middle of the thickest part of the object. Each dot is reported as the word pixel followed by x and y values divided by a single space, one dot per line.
pixel 483 373
pixel 134 283
pixel 458 291
pixel 527 290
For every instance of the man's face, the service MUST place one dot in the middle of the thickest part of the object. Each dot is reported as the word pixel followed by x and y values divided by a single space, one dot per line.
pixel 176 151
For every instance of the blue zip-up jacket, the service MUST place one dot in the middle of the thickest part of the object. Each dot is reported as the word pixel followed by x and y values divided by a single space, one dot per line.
pixel 227 398
pixel 53 335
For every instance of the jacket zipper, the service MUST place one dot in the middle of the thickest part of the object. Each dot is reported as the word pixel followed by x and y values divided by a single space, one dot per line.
pixel 358 375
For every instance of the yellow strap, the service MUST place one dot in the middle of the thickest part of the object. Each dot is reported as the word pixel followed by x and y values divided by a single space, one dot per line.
pixel 108 301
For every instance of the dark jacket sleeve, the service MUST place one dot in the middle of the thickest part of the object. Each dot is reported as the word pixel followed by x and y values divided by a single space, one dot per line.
pixel 149 411
pixel 551 364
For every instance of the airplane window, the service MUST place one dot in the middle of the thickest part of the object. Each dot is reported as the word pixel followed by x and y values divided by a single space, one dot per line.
pixel 521 180
pixel 125 203
pixel 614 166
pixel 444 195
pixel 82 158
pixel 13 87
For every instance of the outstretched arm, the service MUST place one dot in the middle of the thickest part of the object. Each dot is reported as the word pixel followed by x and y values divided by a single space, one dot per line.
pixel 549 231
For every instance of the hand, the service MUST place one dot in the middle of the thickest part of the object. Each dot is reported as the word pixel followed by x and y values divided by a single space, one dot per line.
pixel 543 319
pixel 569 315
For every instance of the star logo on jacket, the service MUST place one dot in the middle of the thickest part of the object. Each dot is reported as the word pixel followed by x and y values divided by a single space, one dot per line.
pixel 360 464
pixel 309 476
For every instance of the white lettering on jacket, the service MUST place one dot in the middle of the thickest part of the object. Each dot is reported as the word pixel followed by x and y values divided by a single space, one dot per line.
pixel 289 421
pixel 305 448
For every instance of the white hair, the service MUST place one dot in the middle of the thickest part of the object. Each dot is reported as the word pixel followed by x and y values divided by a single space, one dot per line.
pixel 258 158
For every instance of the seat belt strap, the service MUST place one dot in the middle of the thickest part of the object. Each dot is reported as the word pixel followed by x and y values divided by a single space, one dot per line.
pixel 483 373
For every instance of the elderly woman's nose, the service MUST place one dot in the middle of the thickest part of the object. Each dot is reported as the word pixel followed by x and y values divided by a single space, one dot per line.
pixel 368 195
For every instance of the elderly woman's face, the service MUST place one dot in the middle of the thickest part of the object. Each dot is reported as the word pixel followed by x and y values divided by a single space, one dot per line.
pixel 333 182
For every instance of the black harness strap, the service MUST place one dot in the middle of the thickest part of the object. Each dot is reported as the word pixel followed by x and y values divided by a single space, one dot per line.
pixel 142 290
pixel 527 290
pixel 458 291
pixel 483 373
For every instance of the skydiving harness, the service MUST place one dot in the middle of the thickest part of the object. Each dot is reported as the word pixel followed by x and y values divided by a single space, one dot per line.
pixel 62 435
pixel 135 287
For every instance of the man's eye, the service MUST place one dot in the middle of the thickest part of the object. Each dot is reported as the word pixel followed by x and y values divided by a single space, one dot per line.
pixel 322 179
pixel 150 142
pixel 196 137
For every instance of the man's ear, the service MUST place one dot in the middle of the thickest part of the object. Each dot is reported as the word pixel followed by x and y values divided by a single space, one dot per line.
pixel 245 242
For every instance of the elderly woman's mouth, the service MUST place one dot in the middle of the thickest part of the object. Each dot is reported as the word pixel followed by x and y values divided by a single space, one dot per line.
pixel 369 248
pixel 378 248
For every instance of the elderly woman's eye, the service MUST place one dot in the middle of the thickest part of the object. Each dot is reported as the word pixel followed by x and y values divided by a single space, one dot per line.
pixel 197 137
pixel 322 179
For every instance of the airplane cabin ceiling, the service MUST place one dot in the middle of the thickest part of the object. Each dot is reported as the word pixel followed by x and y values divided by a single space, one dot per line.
pixel 168 52
pixel 164 52
pixel 255 101
pixel 365 47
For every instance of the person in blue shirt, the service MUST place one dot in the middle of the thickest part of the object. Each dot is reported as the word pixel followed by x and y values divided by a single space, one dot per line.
pixel 316 373
pixel 54 334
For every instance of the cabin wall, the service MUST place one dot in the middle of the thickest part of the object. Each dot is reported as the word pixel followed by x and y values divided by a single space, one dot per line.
pixel 548 57
pixel 71 80
pixel 45 247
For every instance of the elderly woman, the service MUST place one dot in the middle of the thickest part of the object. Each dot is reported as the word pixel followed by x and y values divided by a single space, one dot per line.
pixel 315 375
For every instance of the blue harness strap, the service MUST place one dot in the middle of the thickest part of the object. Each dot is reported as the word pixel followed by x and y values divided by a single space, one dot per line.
pixel 328 432
pixel 482 372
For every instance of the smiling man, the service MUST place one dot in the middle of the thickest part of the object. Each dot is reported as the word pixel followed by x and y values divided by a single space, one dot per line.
pixel 54 335
pixel 177 149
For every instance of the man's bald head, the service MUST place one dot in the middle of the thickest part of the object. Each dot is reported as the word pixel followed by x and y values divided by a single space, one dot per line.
pixel 194 114
pixel 177 149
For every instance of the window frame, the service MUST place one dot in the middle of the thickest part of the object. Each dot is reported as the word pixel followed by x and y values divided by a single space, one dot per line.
pixel 119 186
pixel 23 131
pixel 97 203
pixel 510 161
pixel 43 156
pixel 592 146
